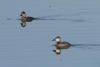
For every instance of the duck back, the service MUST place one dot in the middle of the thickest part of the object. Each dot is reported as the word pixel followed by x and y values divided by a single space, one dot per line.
pixel 63 45
pixel 29 19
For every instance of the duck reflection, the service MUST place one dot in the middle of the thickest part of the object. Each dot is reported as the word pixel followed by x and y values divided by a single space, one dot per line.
pixel 23 24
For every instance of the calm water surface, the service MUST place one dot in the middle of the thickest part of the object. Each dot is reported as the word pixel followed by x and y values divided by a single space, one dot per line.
pixel 32 46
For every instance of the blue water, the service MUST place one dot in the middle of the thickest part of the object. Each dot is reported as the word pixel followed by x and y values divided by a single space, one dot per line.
pixel 32 46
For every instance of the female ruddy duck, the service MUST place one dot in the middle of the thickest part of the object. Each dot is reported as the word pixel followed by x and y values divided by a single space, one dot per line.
pixel 25 19
pixel 60 45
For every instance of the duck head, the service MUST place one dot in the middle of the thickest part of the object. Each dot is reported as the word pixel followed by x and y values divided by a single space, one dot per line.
pixel 57 39
pixel 23 14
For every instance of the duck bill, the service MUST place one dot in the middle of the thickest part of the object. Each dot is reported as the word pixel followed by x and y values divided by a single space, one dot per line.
pixel 53 40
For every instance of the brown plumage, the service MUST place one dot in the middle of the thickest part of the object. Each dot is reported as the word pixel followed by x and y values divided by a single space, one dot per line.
pixel 60 45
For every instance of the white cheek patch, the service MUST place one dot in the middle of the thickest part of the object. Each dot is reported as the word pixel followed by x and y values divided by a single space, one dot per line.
pixel 57 40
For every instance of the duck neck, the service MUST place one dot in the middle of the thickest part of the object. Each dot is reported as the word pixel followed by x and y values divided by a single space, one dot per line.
pixel 58 42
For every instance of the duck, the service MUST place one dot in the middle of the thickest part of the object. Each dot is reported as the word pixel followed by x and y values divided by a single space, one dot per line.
pixel 25 18
pixel 60 45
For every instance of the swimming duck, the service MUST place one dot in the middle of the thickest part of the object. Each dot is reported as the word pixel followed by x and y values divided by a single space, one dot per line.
pixel 25 18
pixel 60 45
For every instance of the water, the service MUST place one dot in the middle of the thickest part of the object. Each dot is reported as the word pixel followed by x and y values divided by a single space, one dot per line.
pixel 32 45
